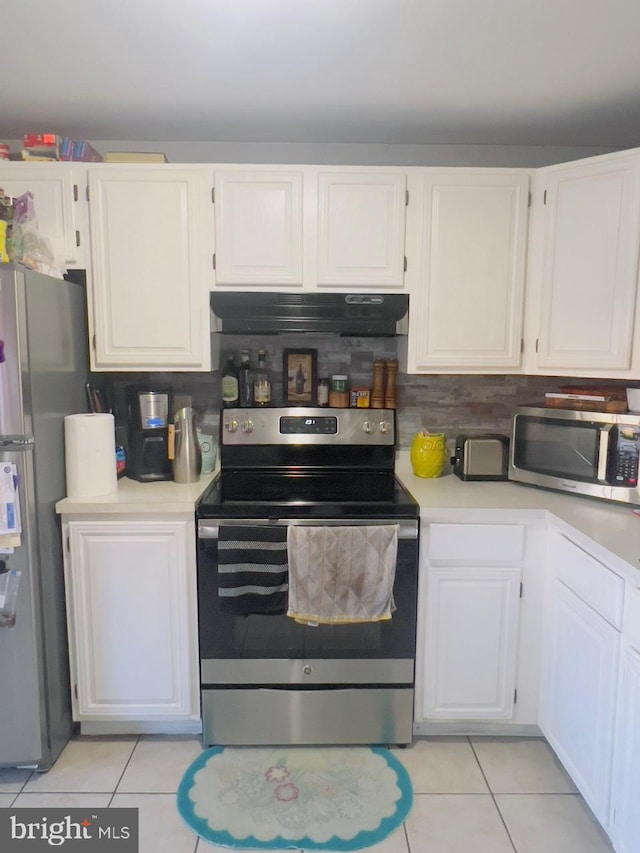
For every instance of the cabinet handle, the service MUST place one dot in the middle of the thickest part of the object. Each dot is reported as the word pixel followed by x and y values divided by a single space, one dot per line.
pixel 77 238
pixel 75 192
pixel 213 258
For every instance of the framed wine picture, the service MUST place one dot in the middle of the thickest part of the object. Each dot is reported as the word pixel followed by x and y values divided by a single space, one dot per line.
pixel 299 378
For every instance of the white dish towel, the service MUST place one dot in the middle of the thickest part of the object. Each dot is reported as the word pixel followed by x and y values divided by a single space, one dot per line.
pixel 341 574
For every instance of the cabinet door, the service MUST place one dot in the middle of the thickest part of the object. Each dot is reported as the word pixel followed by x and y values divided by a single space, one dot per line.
pixel 361 229
pixel 258 227
pixel 471 643
pixel 469 301
pixel 58 191
pixel 579 678
pixel 132 616
pixel 150 282
pixel 590 265
pixel 626 780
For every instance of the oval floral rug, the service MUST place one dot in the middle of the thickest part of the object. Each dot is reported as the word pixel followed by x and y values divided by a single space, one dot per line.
pixel 301 798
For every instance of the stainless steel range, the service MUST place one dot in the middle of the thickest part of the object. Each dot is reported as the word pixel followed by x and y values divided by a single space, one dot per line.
pixel 265 677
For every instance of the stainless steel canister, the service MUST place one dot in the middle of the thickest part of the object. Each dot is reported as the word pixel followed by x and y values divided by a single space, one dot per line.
pixel 187 461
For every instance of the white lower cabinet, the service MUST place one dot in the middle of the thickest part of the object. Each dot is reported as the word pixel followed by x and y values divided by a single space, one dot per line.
pixel 625 812
pixel 580 668
pixel 578 704
pixel 132 616
pixel 626 784
pixel 476 654
pixel 471 644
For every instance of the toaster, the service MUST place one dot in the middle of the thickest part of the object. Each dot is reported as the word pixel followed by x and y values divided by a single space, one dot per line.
pixel 481 457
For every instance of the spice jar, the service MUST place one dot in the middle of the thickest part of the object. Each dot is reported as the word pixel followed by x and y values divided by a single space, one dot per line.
pixel 323 391
pixel 339 391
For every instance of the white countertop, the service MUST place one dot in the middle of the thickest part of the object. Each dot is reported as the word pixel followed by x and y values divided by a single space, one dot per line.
pixel 611 526
pixel 135 497
pixel 614 527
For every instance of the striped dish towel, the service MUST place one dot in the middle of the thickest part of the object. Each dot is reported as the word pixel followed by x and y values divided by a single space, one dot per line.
pixel 253 569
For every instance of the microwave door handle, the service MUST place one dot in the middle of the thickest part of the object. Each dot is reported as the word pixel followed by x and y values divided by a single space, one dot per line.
pixel 603 452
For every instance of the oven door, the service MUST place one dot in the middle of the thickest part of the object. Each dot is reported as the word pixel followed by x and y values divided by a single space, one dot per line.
pixel 273 649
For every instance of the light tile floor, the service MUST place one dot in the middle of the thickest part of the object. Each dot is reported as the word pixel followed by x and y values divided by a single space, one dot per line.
pixel 471 795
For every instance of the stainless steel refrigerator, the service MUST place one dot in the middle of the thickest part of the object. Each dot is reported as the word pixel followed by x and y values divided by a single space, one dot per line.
pixel 43 370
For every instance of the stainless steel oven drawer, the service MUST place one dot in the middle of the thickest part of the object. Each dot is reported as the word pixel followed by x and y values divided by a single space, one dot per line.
pixel 264 716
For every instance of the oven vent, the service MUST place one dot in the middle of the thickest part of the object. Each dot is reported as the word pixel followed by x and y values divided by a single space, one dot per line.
pixel 346 314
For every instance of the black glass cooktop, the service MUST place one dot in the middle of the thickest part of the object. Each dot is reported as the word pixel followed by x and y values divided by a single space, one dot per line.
pixel 307 495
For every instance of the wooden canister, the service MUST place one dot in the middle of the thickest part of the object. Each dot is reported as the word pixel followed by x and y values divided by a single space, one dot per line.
pixel 377 394
pixel 390 385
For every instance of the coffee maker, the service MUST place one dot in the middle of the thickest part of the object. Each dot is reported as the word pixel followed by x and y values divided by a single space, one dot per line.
pixel 148 413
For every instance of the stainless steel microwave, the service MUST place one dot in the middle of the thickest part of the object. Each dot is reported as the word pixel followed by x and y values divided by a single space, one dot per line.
pixel 587 453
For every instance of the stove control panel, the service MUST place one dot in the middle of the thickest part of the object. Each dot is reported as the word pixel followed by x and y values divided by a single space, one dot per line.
pixel 302 425
pixel 305 425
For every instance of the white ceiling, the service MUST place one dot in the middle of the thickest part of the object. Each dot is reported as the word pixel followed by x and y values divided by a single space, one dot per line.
pixel 512 72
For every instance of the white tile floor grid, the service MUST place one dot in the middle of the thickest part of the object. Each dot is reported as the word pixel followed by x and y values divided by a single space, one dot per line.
pixel 471 795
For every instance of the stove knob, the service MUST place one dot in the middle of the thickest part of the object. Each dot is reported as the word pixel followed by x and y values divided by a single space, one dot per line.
pixel 307 669
pixel 384 427
pixel 231 426
pixel 367 427
pixel 247 426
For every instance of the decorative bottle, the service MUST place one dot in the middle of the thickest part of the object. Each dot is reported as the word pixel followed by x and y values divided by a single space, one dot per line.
pixel 262 382
pixel 229 384
pixel 246 380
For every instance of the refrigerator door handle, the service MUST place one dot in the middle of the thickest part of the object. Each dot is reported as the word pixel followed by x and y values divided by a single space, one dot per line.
pixel 16 442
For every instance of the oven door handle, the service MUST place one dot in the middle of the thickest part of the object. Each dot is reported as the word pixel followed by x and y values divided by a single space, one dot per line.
pixel 208 528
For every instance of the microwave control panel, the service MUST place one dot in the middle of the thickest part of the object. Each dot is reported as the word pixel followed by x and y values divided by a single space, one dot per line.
pixel 626 456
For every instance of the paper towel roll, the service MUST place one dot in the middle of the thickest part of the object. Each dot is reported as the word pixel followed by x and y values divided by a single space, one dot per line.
pixel 90 455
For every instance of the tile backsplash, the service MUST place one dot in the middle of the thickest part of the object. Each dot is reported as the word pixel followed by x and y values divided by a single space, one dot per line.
pixel 436 402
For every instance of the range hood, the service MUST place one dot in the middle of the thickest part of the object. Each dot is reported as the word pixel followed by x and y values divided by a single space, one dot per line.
pixel 347 314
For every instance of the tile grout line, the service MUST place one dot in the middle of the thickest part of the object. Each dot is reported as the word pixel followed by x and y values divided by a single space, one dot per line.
pixel 124 770
pixel 495 802
pixel 406 836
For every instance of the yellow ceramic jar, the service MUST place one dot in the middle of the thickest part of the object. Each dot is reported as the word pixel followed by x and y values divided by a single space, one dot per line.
pixel 428 454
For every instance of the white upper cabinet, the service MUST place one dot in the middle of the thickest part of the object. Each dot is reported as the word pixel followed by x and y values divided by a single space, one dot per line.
pixel 309 228
pixel 259 227
pixel 59 197
pixel 588 261
pixel 152 267
pixel 467 297
pixel 361 229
